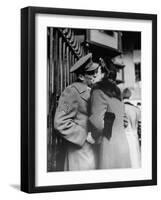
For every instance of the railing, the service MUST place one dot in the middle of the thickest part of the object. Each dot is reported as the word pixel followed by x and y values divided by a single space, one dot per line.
pixel 63 52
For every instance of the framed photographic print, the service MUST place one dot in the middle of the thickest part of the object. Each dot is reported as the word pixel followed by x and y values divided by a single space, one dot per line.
pixel 88 99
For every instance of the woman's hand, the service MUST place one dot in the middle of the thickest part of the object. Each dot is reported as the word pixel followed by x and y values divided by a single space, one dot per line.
pixel 90 139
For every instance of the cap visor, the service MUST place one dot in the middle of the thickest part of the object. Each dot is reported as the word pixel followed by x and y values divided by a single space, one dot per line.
pixel 92 67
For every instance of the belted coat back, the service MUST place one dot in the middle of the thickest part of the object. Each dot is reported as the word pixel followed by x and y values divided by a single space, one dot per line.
pixel 71 120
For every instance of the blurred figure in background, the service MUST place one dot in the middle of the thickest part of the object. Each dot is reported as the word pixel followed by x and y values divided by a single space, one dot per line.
pixel 106 118
pixel 133 115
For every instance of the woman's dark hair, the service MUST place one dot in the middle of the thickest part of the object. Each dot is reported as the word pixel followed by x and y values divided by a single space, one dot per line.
pixel 104 68
pixel 108 68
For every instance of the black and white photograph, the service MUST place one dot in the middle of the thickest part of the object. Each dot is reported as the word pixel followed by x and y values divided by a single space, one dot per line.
pixel 94 99
pixel 89 91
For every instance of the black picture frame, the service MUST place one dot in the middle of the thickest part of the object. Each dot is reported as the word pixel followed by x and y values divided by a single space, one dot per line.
pixel 28 98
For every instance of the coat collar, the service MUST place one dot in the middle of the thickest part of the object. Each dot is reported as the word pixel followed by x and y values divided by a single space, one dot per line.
pixel 127 101
pixel 109 88
pixel 81 87
pixel 83 90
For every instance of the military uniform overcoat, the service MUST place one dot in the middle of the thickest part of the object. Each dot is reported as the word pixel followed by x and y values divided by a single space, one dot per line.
pixel 113 152
pixel 71 120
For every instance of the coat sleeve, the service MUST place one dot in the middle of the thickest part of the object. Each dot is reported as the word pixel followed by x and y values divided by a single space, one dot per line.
pixel 64 118
pixel 99 106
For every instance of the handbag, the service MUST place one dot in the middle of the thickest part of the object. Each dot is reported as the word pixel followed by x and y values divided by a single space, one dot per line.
pixel 109 118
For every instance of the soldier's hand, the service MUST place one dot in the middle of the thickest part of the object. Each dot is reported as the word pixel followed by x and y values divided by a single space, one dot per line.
pixel 90 139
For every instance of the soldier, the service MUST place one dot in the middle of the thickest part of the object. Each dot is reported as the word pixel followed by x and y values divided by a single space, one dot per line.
pixel 71 117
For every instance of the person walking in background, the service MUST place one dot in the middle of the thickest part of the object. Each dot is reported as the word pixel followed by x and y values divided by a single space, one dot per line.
pixel 71 117
pixel 106 119
pixel 133 115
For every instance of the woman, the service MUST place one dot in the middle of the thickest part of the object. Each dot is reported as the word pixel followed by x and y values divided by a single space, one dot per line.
pixel 107 112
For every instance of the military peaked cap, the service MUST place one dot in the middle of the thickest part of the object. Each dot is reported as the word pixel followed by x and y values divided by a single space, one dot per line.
pixel 84 64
